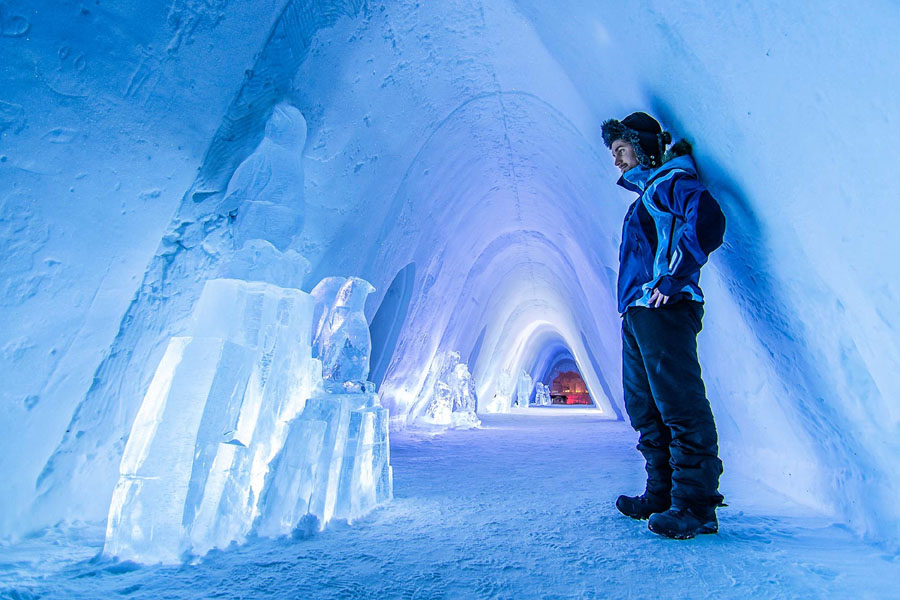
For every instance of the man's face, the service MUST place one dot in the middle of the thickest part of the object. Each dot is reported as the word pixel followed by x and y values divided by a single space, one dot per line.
pixel 623 155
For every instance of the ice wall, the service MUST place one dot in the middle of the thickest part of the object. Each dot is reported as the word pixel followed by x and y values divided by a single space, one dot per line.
pixel 505 106
pixel 463 137
pixel 104 119
pixel 131 270
pixel 805 400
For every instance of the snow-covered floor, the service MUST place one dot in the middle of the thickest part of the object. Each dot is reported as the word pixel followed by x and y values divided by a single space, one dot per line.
pixel 522 508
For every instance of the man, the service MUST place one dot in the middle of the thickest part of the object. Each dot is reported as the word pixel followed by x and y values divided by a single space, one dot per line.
pixel 668 234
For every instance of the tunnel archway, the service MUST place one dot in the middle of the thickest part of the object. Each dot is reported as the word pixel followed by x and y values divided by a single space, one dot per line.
pixel 567 386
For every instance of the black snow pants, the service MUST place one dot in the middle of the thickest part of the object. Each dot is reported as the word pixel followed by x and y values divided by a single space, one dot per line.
pixel 666 403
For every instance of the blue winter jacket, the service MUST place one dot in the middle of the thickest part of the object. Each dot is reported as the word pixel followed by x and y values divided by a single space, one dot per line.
pixel 669 233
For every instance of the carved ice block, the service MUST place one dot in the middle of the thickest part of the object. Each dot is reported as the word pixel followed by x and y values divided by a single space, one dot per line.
pixel 293 478
pixel 199 383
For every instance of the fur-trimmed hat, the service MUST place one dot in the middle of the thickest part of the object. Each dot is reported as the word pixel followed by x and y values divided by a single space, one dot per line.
pixel 643 132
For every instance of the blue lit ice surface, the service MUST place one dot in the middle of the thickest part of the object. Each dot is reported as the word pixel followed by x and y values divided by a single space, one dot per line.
pixel 448 151
pixel 238 433
pixel 526 494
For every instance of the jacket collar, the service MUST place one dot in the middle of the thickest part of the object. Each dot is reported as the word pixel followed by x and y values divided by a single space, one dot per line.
pixel 636 179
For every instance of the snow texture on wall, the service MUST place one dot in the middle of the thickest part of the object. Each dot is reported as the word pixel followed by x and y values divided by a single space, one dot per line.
pixel 462 137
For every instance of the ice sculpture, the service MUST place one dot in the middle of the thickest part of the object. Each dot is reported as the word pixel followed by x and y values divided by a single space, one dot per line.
pixel 440 407
pixel 461 382
pixel 342 341
pixel 236 432
pixel 265 195
pixel 504 391
pixel 542 395
pixel 334 464
pixel 524 386
pixel 258 260
pixel 213 415
pixel 266 190
pixel 324 294
pixel 452 400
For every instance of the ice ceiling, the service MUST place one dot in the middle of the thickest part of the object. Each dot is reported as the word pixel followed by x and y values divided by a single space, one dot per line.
pixel 455 145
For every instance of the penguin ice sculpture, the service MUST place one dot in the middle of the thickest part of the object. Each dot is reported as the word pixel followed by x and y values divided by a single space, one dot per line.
pixel 344 342
pixel 266 190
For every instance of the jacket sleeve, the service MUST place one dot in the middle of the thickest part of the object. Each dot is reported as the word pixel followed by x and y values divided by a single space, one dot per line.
pixel 703 231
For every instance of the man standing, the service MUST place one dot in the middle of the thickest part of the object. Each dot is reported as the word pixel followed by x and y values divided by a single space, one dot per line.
pixel 668 234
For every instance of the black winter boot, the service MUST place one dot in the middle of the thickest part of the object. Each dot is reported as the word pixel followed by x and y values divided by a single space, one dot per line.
pixel 641 507
pixel 684 523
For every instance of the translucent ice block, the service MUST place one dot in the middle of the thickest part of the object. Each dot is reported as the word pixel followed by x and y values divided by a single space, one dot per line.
pixel 334 410
pixel 542 395
pixel 356 489
pixel 165 459
pixel 237 431
pixel 277 321
pixel 381 457
pixel 292 478
pixel 213 420
pixel 523 389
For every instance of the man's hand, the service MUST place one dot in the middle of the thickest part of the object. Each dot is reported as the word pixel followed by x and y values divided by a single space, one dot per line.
pixel 656 298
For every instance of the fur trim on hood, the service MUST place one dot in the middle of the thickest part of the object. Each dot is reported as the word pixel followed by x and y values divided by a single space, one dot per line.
pixel 643 132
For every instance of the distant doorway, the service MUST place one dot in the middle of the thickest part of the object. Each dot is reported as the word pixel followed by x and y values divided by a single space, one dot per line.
pixel 568 388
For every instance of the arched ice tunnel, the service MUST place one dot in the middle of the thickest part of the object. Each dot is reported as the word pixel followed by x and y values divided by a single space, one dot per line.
pixel 454 160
